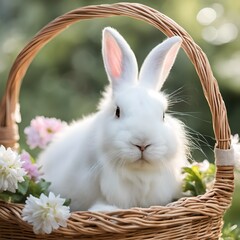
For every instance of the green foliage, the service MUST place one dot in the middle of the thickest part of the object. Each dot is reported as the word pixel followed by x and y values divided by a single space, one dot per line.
pixel 193 181
pixel 67 202
pixel 196 181
pixel 230 232
pixel 25 188
pixel 36 188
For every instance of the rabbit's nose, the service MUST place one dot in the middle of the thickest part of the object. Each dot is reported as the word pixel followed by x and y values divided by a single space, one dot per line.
pixel 142 147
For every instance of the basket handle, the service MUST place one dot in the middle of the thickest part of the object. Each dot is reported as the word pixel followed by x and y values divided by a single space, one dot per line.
pixel 8 126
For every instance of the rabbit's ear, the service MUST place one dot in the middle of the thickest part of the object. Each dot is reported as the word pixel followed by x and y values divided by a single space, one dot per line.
pixel 159 62
pixel 119 60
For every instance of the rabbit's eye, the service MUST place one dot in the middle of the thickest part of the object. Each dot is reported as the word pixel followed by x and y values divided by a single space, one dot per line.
pixel 163 115
pixel 117 113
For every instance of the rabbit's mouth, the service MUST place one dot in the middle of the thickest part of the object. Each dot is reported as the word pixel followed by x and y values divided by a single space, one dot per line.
pixel 141 159
pixel 142 162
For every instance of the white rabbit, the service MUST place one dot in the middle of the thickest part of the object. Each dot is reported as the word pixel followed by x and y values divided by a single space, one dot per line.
pixel 130 153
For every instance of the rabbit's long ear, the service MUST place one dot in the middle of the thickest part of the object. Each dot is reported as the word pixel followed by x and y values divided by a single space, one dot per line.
pixel 119 60
pixel 159 62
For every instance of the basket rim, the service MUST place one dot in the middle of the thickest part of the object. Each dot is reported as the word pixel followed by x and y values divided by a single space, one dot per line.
pixel 187 209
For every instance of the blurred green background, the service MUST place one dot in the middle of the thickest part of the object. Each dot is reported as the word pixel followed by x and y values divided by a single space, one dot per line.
pixel 67 76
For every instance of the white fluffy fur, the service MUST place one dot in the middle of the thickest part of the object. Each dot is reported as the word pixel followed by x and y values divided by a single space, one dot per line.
pixel 97 162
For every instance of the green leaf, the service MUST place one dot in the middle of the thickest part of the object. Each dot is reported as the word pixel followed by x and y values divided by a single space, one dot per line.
pixel 193 181
pixel 230 232
pixel 67 202
pixel 44 185
pixel 5 196
pixel 200 187
pixel 23 186
pixel 188 186
pixel 12 197
pixel 18 198
pixel 36 188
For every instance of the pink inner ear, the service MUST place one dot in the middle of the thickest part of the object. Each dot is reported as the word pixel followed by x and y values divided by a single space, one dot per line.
pixel 114 56
pixel 169 60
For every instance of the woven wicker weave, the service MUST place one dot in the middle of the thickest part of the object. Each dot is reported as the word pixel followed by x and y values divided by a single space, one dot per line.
pixel 189 218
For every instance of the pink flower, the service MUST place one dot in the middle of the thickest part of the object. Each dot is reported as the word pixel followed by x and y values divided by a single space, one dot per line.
pixel 28 166
pixel 42 130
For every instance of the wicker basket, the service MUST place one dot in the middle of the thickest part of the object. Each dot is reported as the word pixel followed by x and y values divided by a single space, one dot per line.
pixel 189 218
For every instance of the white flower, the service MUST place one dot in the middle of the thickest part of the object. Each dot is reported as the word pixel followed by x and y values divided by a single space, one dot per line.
pixel 11 171
pixel 235 139
pixel 203 166
pixel 45 213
